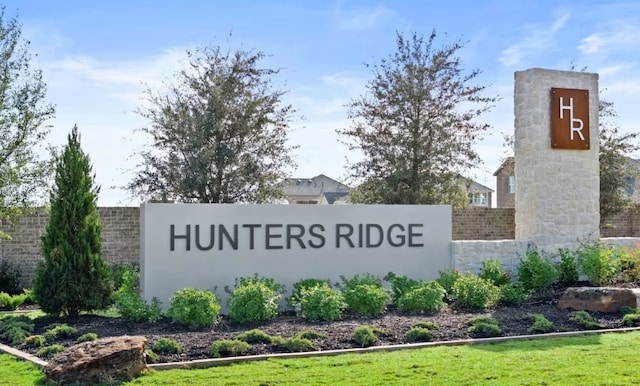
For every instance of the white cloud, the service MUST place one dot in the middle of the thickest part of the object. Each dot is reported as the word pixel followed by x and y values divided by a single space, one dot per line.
pixel 618 35
pixel 360 19
pixel 537 37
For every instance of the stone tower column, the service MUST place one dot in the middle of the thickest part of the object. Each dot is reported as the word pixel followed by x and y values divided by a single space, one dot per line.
pixel 557 181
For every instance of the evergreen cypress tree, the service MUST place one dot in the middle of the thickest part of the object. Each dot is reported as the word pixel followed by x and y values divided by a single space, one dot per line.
pixel 73 276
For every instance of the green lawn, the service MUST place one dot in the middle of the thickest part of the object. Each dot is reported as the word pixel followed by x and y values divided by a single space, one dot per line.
pixel 609 359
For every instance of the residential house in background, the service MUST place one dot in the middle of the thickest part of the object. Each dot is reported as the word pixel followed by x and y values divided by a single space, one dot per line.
pixel 506 184
pixel 478 194
pixel 319 190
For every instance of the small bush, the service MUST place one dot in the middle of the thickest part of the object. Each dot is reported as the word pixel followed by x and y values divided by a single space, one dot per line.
pixel 15 329
pixel 151 357
pixel 118 271
pixel 536 273
pixel 427 297
pixel 194 308
pixel 482 319
pixel 166 346
pixel 50 351
pixel 427 325
pixel 400 285
pixel 130 304
pixel 357 280
pixel 366 299
pixel 322 303
pixel 10 276
pixel 295 344
pixel 59 331
pixel 630 265
pixel 35 340
pixel 256 279
pixel 365 336
pixel 492 272
pixel 252 302
pixel 11 302
pixel 296 294
pixel 513 294
pixel 485 330
pixel 568 270
pixel 540 324
pixel 631 320
pixel 88 337
pixel 624 310
pixel 228 348
pixel 471 292
pixel 310 334
pixel 255 336
pixel 418 334
pixel 447 279
pixel 585 319
pixel 598 263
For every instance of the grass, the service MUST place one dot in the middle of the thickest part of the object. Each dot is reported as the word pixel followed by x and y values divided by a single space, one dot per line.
pixel 596 359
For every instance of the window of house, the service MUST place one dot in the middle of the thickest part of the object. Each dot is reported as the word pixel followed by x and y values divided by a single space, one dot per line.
pixel 477 198
pixel 512 184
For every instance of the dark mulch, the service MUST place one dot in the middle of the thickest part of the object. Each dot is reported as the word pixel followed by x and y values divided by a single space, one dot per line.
pixel 196 343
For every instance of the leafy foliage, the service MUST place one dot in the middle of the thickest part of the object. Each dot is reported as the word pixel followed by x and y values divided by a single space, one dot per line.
pixel 73 276
pixel 11 302
pixel 252 302
pixel 485 330
pixel 447 279
pixel 599 263
pixel 366 299
pixel 130 304
pixel 296 293
pixel 166 346
pixel 473 292
pixel 10 276
pixel 427 297
pixel 631 320
pixel 360 279
pixel 492 272
pixel 35 340
pixel 50 351
pixel 294 344
pixel 15 329
pixel 322 302
pixel 310 334
pixel 88 337
pixel 513 294
pixel 400 285
pixel 219 135
pixel 630 265
pixel 255 336
pixel 23 126
pixel 568 269
pixel 194 308
pixel 365 335
pixel 586 320
pixel 540 324
pixel 58 331
pixel 418 334
pixel 427 325
pixel 536 272
pixel 416 126
pixel 234 347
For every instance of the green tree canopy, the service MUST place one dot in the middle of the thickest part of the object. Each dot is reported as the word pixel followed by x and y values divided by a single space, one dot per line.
pixel 416 125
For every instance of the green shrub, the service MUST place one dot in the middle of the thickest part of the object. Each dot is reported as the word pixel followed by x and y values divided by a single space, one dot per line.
pixel 11 302
pixel 194 308
pixel 88 337
pixel 568 270
pixel 471 292
pixel 400 285
pixel 228 348
pixel 130 304
pixel 151 357
pixel 586 320
pixel 255 336
pixel 296 294
pixel 118 271
pixel 322 303
pixel 630 265
pixel 166 346
pixel 257 279
pixel 252 302
pixel 631 320
pixel 10 276
pixel 418 334
pixel 365 335
pixel 482 319
pixel 540 324
pixel 427 297
pixel 513 294
pixel 366 299
pixel 598 263
pixel 536 273
pixel 295 344
pixel 310 334
pixel 624 310
pixel 35 340
pixel 485 330
pixel 15 329
pixel 59 331
pixel 492 272
pixel 50 351
pixel 357 280
pixel 447 279
pixel 427 325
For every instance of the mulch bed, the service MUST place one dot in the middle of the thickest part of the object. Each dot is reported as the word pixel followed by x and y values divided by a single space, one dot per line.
pixel 196 343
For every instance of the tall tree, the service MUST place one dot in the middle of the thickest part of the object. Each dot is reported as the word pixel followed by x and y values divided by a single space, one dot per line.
pixel 23 117
pixel 73 276
pixel 219 135
pixel 416 125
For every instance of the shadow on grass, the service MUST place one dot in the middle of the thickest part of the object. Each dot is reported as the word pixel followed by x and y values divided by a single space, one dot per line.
pixel 541 343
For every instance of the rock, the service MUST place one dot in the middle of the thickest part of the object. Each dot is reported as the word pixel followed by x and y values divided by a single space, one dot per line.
pixel 599 299
pixel 102 360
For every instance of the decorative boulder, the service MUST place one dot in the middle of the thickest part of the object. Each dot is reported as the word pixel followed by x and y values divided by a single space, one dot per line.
pixel 599 299
pixel 102 360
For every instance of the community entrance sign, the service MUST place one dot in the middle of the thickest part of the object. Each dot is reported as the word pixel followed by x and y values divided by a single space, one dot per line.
pixel 204 246
pixel 569 119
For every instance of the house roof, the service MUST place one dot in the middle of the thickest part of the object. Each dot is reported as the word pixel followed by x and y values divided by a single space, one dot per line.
pixel 477 187
pixel 332 197
pixel 507 161
pixel 315 186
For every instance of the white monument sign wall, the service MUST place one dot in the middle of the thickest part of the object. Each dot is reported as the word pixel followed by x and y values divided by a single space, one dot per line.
pixel 209 245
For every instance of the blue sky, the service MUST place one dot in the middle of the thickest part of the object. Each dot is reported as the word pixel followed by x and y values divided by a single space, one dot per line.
pixel 97 56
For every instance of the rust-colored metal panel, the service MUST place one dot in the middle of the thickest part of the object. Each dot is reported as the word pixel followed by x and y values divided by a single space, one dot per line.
pixel 569 119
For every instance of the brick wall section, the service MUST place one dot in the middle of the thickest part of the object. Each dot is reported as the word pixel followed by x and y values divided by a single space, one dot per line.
pixel 120 239
pixel 625 224
pixel 483 224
